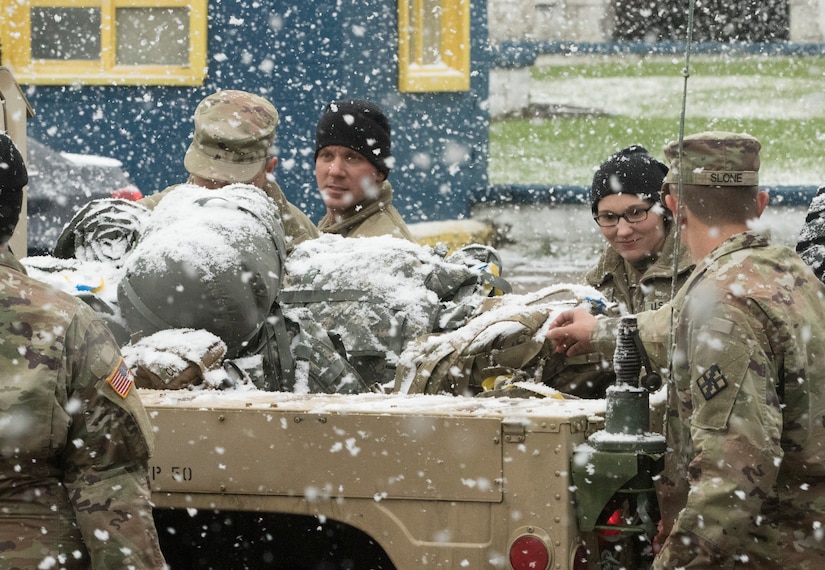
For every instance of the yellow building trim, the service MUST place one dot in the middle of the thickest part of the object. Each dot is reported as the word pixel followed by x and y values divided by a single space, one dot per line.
pixel 16 41
pixel 451 36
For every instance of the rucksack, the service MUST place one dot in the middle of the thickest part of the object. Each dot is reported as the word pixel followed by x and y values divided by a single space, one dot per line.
pixel 298 355
pixel 208 259
pixel 504 345
pixel 811 244
pixel 213 259
pixel 103 230
pixel 378 294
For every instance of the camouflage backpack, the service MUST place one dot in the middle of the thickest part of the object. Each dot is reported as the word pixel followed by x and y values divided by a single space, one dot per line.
pixel 811 244
pixel 377 294
pixel 503 346
pixel 213 260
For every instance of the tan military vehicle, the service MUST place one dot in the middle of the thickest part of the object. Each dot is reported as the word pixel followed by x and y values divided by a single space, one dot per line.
pixel 251 479
pixel 258 479
pixel 367 481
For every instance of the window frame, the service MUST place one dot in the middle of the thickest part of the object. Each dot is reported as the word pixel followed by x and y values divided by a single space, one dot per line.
pixel 17 54
pixel 453 73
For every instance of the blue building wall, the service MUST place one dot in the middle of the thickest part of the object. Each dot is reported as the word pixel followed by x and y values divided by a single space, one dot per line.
pixel 300 55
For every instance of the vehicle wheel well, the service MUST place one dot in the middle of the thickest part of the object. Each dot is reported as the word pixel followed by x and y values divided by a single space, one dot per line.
pixel 206 538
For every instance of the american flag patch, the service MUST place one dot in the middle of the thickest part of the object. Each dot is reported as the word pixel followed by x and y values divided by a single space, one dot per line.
pixel 121 379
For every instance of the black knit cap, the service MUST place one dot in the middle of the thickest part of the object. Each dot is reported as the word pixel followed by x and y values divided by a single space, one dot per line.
pixel 359 125
pixel 632 170
pixel 13 177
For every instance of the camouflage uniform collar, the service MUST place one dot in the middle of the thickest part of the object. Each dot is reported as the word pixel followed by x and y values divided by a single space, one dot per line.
pixel 737 242
pixel 744 240
pixel 7 259
pixel 273 190
pixel 663 267
pixel 384 200
pixel 611 263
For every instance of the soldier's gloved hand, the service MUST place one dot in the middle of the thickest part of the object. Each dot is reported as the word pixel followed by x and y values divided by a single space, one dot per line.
pixel 103 230
pixel 174 359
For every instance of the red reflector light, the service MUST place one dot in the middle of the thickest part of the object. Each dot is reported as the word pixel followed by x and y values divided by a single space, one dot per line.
pixel 128 193
pixel 614 520
pixel 529 553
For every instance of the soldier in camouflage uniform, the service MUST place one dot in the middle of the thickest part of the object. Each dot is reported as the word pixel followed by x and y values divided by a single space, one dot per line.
pixel 234 132
pixel 352 161
pixel 744 485
pixel 744 482
pixel 635 270
pixel 74 437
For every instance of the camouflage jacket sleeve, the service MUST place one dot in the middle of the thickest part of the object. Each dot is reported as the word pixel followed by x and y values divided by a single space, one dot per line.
pixel 109 442
pixel 730 414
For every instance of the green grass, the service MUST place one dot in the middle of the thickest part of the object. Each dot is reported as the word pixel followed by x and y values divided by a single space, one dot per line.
pixel 599 66
pixel 780 100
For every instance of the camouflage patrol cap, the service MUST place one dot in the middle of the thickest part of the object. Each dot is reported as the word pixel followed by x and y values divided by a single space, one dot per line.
pixel 233 133
pixel 714 158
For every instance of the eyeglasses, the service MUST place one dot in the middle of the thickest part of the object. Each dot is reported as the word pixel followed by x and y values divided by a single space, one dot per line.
pixel 631 215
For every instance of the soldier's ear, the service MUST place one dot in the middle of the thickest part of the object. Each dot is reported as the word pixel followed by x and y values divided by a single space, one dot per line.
pixel 762 199
pixel 671 202
pixel 271 163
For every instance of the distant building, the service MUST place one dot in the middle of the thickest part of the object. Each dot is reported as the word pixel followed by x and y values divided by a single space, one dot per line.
pixel 520 30
pixel 122 79
pixel 798 21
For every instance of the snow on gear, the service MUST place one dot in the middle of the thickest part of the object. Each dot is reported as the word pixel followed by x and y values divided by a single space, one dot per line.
pixel 209 259
pixel 219 269
pixel 175 358
pixel 503 346
pixel 103 230
pixel 811 244
pixel 377 294
pixel 486 261
pixel 296 354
